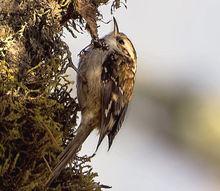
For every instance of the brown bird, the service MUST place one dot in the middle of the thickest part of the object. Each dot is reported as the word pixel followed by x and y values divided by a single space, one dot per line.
pixel 103 93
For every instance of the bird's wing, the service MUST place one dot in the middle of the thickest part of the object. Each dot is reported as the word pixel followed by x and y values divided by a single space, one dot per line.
pixel 113 104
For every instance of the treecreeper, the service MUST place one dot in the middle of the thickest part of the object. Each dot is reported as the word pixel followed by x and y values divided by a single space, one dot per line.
pixel 105 82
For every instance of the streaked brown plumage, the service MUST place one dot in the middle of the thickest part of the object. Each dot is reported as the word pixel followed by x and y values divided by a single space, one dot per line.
pixel 109 71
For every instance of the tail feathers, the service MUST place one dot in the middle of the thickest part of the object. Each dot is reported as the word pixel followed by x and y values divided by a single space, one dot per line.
pixel 110 140
pixel 70 151
pixel 101 137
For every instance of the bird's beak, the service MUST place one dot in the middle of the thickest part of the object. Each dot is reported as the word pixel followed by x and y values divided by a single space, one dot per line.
pixel 116 30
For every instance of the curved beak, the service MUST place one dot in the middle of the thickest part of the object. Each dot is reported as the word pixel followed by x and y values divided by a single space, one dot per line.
pixel 116 30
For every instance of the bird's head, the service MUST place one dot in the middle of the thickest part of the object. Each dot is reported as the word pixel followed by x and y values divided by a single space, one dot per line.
pixel 120 42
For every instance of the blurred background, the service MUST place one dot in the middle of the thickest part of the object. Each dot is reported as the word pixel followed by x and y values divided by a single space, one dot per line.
pixel 170 139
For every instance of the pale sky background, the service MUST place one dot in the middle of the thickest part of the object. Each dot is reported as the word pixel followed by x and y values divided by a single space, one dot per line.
pixel 178 45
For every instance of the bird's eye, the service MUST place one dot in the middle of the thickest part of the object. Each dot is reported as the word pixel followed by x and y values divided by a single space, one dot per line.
pixel 121 41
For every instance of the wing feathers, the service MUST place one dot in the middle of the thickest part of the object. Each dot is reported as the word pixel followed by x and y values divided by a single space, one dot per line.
pixel 116 127
pixel 114 105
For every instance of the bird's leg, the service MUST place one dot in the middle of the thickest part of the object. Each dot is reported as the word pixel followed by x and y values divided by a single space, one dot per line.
pixel 83 51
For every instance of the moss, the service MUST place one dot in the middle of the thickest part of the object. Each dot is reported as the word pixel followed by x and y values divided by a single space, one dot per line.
pixel 37 112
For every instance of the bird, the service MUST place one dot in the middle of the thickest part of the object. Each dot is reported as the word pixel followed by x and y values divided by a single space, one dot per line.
pixel 105 82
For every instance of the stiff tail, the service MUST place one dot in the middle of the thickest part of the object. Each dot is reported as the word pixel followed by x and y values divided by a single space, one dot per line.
pixel 70 151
